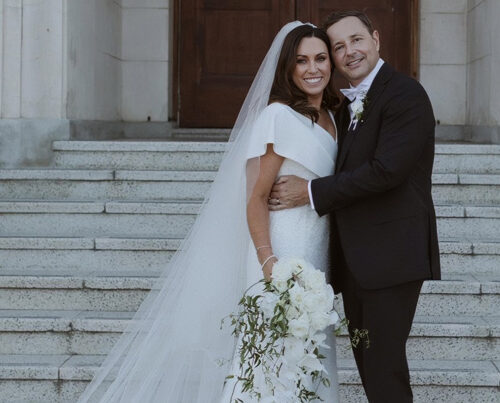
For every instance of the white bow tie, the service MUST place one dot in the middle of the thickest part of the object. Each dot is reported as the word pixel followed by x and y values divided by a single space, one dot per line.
pixel 352 93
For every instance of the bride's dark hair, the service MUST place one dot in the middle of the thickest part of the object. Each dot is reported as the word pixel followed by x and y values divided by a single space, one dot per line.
pixel 284 89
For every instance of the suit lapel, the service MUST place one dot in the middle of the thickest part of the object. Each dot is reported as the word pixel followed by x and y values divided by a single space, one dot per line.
pixel 342 119
pixel 376 89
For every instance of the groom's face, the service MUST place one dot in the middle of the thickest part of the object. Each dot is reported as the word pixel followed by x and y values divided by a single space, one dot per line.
pixel 354 49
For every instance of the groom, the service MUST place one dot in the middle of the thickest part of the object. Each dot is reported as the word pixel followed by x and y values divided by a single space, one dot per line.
pixel 383 225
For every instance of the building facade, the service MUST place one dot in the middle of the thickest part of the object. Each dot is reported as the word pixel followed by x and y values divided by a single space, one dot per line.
pixel 111 68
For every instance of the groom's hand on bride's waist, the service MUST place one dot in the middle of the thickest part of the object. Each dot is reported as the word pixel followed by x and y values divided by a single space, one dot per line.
pixel 288 191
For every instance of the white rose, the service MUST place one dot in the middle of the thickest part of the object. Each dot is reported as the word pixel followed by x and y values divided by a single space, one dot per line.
pixel 311 300
pixel 357 105
pixel 297 296
pixel 329 297
pixel 314 279
pixel 294 350
pixel 318 301
pixel 320 320
pixel 282 270
pixel 299 327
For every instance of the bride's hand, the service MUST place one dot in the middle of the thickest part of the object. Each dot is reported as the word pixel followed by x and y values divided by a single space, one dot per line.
pixel 267 269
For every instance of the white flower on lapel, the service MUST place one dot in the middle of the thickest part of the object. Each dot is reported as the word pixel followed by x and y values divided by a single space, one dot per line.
pixel 358 105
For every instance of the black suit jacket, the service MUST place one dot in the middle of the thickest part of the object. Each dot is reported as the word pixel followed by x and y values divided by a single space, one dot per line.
pixel 382 213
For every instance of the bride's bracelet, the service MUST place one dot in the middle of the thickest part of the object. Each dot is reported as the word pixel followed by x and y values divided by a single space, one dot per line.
pixel 262 247
pixel 267 260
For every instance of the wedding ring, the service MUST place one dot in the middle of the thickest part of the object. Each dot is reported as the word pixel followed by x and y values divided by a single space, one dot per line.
pixel 278 201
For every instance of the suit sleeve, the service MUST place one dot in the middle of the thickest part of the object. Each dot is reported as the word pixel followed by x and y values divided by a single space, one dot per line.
pixel 407 125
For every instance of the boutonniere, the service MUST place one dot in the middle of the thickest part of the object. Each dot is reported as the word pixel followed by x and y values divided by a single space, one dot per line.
pixel 359 105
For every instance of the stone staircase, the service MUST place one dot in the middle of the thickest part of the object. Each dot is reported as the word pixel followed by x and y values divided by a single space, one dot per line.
pixel 81 244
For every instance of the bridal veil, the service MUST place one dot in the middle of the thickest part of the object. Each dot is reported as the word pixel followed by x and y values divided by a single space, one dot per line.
pixel 174 349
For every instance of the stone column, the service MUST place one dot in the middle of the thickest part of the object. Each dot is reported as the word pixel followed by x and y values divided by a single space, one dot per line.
pixel 145 40
pixel 11 58
pixel 483 61
pixel 443 63
pixel 32 80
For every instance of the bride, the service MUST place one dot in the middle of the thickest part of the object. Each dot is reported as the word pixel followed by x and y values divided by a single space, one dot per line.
pixel 174 349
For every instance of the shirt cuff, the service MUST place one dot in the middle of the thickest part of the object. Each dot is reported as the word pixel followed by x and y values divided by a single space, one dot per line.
pixel 310 195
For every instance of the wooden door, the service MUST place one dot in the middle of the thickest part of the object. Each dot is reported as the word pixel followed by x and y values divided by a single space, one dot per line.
pixel 221 44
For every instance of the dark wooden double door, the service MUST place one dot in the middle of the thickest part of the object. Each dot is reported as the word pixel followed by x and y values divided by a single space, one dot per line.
pixel 221 44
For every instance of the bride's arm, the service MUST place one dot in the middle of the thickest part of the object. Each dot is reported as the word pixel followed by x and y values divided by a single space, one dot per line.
pixel 257 208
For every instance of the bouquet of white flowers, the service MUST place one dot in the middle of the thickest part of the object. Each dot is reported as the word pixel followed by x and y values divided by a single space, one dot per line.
pixel 281 329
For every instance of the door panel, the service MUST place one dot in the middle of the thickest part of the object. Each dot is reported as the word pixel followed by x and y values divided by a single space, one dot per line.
pixel 222 46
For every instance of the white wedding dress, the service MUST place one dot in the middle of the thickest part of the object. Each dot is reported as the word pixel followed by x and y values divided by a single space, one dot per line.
pixel 310 152
pixel 174 350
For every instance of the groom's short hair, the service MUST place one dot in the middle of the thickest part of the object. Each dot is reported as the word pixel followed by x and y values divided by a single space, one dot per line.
pixel 336 16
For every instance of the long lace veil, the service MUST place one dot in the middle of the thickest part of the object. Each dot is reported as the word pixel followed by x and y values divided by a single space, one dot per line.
pixel 174 349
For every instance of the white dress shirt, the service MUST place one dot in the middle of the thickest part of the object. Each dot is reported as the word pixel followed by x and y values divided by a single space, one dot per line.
pixel 363 87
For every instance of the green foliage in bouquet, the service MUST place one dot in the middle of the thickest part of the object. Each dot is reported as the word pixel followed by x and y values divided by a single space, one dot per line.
pixel 280 331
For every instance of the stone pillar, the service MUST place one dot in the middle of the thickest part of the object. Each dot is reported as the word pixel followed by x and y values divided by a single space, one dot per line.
pixel 145 50
pixel 94 60
pixel 483 61
pixel 32 80
pixel 43 59
pixel 11 58
pixel 443 63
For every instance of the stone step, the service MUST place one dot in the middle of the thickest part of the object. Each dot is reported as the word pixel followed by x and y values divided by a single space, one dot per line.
pixel 60 219
pixel 468 222
pixel 459 337
pixel 85 255
pixel 207 156
pixel 82 256
pixel 62 378
pixel 90 185
pixel 92 332
pixel 440 381
pixel 165 155
pixel 467 189
pixel 175 218
pixel 449 297
pixel 467 158
pixel 469 257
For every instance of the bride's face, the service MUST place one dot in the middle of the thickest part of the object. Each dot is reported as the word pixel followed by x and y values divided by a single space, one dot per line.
pixel 313 67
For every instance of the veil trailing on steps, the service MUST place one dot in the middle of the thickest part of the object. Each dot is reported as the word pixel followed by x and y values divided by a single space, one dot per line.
pixel 174 349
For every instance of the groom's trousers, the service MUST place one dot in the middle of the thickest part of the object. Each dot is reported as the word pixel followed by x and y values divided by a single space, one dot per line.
pixel 387 314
